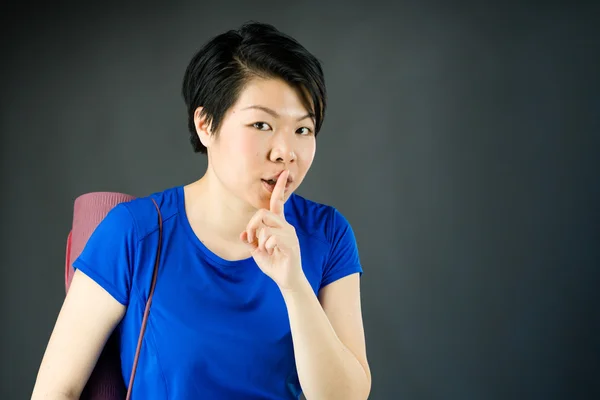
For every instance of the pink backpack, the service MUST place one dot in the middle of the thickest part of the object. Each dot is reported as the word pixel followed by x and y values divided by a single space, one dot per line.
pixel 106 381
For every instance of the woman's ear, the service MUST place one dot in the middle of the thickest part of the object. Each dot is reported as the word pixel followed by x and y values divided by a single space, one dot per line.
pixel 202 128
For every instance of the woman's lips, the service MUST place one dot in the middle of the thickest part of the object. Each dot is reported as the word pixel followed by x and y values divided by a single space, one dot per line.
pixel 271 186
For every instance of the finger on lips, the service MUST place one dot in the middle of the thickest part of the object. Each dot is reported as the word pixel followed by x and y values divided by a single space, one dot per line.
pixel 258 230
pixel 278 194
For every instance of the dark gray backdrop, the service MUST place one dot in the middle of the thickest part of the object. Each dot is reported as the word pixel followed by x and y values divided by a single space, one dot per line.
pixel 461 142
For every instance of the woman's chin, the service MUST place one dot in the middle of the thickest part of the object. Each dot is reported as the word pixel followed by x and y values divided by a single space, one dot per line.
pixel 259 202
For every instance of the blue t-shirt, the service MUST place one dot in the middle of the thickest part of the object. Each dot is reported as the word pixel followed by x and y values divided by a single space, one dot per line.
pixel 217 329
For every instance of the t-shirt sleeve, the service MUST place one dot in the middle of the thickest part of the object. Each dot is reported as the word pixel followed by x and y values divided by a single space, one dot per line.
pixel 108 255
pixel 343 256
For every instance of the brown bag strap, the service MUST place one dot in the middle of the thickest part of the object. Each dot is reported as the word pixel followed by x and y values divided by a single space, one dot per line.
pixel 148 303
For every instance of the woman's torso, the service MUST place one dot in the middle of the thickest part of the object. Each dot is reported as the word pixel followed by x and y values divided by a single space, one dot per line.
pixel 217 328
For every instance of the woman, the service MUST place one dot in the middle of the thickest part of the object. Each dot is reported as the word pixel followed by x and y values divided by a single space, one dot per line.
pixel 258 291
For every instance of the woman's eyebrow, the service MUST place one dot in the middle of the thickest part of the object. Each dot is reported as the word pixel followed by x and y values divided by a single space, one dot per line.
pixel 275 114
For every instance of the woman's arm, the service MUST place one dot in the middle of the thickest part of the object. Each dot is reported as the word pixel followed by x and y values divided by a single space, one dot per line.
pixel 329 342
pixel 87 318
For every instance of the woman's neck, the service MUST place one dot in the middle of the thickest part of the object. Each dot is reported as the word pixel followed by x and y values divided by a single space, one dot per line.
pixel 210 204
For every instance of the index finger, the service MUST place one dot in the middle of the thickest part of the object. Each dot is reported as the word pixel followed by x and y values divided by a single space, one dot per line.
pixel 278 195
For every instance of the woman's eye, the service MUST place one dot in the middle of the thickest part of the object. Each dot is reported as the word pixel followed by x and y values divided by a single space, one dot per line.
pixel 304 131
pixel 261 126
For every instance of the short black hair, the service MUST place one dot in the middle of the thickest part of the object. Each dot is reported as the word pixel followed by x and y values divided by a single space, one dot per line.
pixel 219 71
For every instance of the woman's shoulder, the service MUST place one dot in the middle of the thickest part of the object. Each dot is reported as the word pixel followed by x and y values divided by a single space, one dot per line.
pixel 314 219
pixel 144 213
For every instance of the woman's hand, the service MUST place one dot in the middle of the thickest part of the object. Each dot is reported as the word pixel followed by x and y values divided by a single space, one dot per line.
pixel 273 242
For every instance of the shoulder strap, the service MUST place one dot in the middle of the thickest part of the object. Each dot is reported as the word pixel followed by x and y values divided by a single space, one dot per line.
pixel 148 303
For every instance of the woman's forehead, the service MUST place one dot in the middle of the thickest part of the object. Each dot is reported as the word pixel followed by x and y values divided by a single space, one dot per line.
pixel 271 96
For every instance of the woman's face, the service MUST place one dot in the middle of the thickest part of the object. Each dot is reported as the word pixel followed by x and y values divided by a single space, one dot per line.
pixel 267 131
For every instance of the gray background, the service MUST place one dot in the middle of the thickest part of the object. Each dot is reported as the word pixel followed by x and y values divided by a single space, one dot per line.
pixel 461 142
